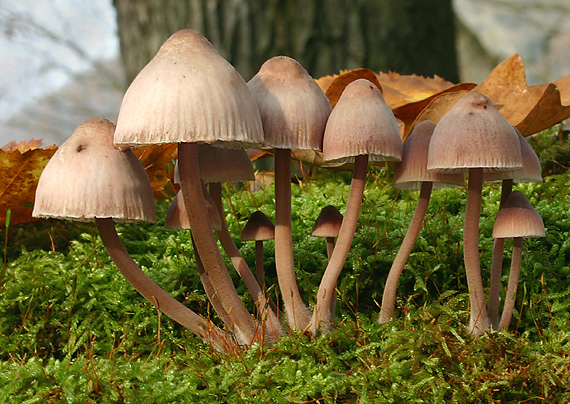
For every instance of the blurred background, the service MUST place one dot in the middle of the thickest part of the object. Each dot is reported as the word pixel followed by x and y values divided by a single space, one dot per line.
pixel 65 61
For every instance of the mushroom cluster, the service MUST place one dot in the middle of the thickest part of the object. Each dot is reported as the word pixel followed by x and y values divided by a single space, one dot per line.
pixel 191 96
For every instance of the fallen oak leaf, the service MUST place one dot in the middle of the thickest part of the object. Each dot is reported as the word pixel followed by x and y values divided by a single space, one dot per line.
pixel 157 162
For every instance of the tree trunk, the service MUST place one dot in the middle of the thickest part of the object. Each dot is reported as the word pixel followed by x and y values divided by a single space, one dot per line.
pixel 406 36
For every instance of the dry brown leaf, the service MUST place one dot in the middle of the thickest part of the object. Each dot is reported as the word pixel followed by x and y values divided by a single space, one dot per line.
pixel 405 89
pixel 19 175
pixel 157 162
pixel 529 108
pixel 408 114
pixel 24 146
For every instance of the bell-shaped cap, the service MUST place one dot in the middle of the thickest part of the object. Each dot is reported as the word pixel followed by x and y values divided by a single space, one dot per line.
pixel 362 124
pixel 188 93
pixel 177 215
pixel 518 218
pixel 412 171
pixel 294 109
pixel 473 134
pixel 89 178
pixel 328 223
pixel 258 228
pixel 530 170
pixel 218 164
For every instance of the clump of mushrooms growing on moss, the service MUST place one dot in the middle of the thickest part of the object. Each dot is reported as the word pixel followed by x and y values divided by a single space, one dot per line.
pixel 190 95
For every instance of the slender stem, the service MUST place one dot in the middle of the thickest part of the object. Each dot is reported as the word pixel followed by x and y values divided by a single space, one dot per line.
pixel 389 296
pixel 479 321
pixel 207 245
pixel 326 293
pixel 259 270
pixel 154 293
pixel 497 264
pixel 209 289
pixel 268 316
pixel 513 284
pixel 297 312
pixel 330 246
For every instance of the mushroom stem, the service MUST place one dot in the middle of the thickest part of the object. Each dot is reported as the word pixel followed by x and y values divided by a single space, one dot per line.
pixel 297 312
pixel 330 247
pixel 207 245
pixel 209 289
pixel 389 296
pixel 154 293
pixel 513 284
pixel 479 321
pixel 259 270
pixel 326 293
pixel 267 314
pixel 497 264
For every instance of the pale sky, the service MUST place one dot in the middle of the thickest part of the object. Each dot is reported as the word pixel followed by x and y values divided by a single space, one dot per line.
pixel 42 42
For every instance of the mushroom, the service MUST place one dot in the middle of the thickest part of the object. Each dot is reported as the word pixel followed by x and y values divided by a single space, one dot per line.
pixel 88 179
pixel 258 228
pixel 294 111
pixel 474 137
pixel 529 172
pixel 361 125
pixel 412 173
pixel 516 219
pixel 189 94
pixel 327 225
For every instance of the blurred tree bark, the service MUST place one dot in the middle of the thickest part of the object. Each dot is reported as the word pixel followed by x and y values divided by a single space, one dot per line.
pixel 406 36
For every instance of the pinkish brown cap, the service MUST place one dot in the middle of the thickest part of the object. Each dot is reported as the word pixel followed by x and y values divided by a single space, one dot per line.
pixel 361 123
pixel 412 171
pixel 328 223
pixel 188 93
pixel 530 171
pixel 518 218
pixel 89 178
pixel 294 109
pixel 258 228
pixel 177 215
pixel 473 134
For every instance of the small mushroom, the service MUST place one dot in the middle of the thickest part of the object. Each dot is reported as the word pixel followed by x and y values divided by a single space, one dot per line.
pixel 294 111
pixel 361 128
pixel 474 137
pixel 517 219
pixel 327 225
pixel 258 228
pixel 89 179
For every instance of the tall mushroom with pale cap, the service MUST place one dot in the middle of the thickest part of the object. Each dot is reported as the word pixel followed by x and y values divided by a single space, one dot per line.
pixel 517 219
pixel 88 179
pixel 474 137
pixel 294 111
pixel 189 94
pixel 410 174
pixel 361 128
pixel 529 172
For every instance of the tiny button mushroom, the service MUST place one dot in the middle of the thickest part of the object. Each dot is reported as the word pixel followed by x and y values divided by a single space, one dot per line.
pixel 328 225
pixel 516 219
pixel 258 228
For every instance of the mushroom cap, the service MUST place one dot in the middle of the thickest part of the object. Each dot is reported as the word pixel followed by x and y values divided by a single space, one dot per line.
pixel 473 134
pixel 177 215
pixel 89 178
pixel 530 170
pixel 328 223
pixel 258 228
pixel 362 124
pixel 294 109
pixel 218 164
pixel 188 93
pixel 412 171
pixel 518 218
